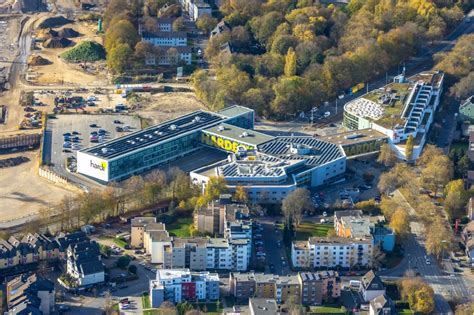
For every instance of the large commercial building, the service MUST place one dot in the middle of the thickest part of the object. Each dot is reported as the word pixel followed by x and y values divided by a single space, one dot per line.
pixel 401 109
pixel 268 167
pixel 143 150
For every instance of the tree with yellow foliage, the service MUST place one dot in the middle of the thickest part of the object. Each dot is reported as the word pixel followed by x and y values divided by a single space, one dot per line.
pixel 241 195
pixel 399 222
pixel 290 63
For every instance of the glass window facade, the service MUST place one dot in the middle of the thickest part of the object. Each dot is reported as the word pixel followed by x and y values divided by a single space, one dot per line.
pixel 350 121
pixel 150 157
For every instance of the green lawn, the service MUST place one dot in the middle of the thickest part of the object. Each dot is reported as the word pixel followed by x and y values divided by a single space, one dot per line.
pixel 208 308
pixel 327 310
pixel 119 242
pixel 146 301
pixel 180 227
pixel 308 229
pixel 406 311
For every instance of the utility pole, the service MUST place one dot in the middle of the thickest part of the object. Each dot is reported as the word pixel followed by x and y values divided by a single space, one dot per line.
pixel 336 104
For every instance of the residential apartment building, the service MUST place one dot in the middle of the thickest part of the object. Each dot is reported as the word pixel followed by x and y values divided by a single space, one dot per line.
pixel 195 8
pixel 36 247
pixel 260 306
pixel 183 285
pixel 320 286
pixel 259 285
pixel 170 55
pixel 84 264
pixel 210 218
pixel 232 252
pixel 467 236
pixel 138 226
pixel 466 110
pixel 166 39
pixel 330 252
pixel 30 294
pixel 216 216
pixel 382 305
pixel 165 24
pixel 354 224
pixel 371 286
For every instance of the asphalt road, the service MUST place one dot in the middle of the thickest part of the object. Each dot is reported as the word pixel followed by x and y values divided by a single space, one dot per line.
pixel 274 254
pixel 445 286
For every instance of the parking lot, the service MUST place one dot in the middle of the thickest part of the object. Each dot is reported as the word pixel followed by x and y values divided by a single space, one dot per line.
pixel 79 129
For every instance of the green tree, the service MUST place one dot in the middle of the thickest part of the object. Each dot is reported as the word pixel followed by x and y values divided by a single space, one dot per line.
pixel 119 58
pixel 419 294
pixel 122 32
pixel 290 62
pixel 291 96
pixel 206 23
pixel 437 173
pixel 456 198
pixel 179 25
pixel 184 307
pixel 409 148
pixel 264 26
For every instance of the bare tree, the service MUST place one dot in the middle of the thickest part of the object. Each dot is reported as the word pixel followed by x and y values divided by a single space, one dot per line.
pixel 296 203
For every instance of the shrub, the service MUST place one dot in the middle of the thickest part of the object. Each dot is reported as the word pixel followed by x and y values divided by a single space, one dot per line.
pixel 85 51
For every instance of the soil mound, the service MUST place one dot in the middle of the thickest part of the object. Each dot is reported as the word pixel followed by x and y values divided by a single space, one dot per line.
pixel 56 21
pixel 57 42
pixel 68 32
pixel 36 60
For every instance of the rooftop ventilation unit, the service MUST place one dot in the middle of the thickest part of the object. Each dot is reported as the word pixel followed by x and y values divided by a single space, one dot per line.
pixel 197 119
pixel 173 127
pixel 244 134
pixel 221 128
pixel 104 150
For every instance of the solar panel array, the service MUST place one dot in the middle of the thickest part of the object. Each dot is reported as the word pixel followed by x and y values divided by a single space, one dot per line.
pixel 250 170
pixel 322 151
pixel 154 135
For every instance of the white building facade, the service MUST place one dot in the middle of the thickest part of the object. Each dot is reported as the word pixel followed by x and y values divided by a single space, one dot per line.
pixel 399 110
pixel 331 252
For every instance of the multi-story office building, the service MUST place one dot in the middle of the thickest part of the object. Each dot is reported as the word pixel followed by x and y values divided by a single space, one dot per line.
pixel 320 286
pixel 143 150
pixel 183 285
pixel 401 109
pixel 270 168
pixel 330 252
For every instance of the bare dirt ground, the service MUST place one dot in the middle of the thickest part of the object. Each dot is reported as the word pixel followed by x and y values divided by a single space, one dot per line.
pixel 165 106
pixel 61 72
pixel 23 192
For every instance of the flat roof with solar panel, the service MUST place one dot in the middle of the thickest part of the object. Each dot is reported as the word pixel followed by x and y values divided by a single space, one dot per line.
pixel 313 151
pixel 153 135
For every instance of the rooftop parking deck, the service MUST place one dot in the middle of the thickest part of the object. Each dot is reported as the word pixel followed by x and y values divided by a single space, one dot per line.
pixel 154 135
